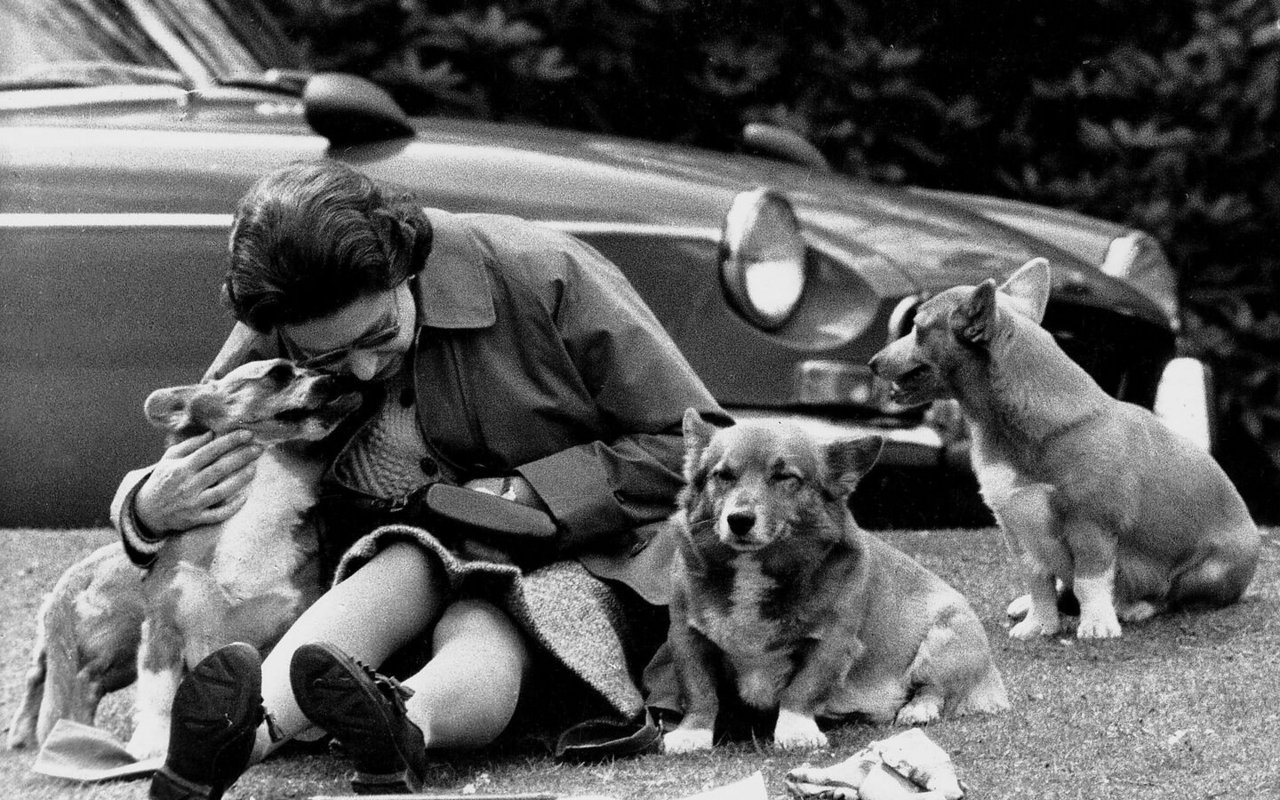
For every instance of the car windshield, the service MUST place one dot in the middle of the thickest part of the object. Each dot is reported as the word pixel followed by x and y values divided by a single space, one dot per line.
pixel 77 43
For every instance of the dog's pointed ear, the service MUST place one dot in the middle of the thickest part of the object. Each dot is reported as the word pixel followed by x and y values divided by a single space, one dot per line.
pixel 697 435
pixel 170 409
pixel 1029 288
pixel 848 460
pixel 974 320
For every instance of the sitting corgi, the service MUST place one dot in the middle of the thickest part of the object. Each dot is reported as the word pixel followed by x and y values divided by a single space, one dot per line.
pixel 245 579
pixel 1099 495
pixel 777 590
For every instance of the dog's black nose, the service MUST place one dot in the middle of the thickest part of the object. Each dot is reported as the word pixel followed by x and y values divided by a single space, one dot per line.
pixel 337 384
pixel 740 522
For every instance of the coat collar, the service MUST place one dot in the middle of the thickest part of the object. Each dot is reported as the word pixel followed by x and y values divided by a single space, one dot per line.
pixel 453 290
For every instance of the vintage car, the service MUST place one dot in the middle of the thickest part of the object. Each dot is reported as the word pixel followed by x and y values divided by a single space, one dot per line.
pixel 128 131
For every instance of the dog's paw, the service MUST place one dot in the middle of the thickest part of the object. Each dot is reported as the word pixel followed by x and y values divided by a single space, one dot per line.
pixel 797 732
pixel 148 741
pixel 1137 611
pixel 920 711
pixel 1019 607
pixel 1098 626
pixel 687 740
pixel 1034 627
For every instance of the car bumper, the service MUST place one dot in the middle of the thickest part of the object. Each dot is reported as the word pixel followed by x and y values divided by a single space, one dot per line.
pixel 1183 401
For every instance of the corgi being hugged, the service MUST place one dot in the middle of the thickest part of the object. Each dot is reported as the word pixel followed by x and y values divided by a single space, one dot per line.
pixel 107 622
pixel 1098 495
pixel 778 590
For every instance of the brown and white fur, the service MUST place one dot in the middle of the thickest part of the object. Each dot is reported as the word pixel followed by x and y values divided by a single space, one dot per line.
pixel 777 589
pixel 87 634
pixel 245 579
pixel 1098 495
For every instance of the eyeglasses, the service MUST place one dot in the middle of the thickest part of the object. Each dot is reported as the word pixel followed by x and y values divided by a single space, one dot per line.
pixel 370 340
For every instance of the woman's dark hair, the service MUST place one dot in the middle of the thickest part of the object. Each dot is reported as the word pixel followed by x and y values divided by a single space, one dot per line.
pixel 312 237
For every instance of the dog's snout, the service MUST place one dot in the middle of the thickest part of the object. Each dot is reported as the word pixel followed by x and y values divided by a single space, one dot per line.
pixel 740 522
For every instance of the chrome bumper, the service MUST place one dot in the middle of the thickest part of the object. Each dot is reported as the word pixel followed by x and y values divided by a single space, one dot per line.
pixel 919 445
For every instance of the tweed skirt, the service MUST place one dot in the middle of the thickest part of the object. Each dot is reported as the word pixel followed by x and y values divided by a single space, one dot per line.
pixel 574 617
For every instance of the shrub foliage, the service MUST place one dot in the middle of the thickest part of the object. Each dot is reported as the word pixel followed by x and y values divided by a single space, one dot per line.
pixel 1160 115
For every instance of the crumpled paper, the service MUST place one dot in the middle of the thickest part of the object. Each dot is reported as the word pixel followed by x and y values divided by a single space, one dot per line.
pixel 905 765
pixel 751 787
pixel 78 752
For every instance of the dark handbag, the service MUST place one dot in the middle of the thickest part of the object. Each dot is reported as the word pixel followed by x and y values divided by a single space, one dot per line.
pixel 487 515
pixel 455 515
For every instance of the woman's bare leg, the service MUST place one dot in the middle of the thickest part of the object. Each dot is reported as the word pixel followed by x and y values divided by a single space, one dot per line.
pixel 391 600
pixel 467 692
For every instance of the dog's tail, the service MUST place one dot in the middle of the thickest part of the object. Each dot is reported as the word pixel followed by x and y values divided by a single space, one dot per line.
pixel 45 693
pixel 82 650
pixel 22 728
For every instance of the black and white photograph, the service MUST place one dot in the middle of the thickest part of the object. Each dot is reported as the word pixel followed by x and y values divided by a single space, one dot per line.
pixel 639 399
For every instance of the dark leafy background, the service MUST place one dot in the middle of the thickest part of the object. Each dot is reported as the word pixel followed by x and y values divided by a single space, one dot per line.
pixel 1160 115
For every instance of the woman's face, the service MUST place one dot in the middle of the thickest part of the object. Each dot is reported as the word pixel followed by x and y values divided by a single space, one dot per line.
pixel 366 339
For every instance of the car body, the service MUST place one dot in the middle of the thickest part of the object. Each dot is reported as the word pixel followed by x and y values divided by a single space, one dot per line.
pixel 777 279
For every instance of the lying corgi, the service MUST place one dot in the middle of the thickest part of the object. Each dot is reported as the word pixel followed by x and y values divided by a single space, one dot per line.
pixel 245 579
pixel 778 590
pixel 1098 495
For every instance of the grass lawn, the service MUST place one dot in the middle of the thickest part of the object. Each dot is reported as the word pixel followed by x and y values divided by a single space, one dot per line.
pixel 1184 706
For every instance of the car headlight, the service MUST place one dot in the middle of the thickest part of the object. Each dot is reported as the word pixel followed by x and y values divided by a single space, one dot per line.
pixel 762 258
pixel 1182 400
pixel 1138 259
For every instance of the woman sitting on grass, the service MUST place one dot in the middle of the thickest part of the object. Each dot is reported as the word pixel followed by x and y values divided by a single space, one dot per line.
pixel 509 359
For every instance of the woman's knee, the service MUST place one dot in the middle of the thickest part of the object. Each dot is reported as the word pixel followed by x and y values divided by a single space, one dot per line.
pixel 473 618
pixel 403 557
pixel 480 625
pixel 403 565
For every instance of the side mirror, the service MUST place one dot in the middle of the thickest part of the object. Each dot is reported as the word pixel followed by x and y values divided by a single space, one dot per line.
pixel 784 144
pixel 348 110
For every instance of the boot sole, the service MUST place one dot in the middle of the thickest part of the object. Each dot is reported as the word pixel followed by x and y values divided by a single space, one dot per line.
pixel 222 694
pixel 327 715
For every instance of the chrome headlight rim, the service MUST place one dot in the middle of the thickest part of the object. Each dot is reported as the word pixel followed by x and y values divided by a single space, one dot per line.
pixel 746 275
pixel 1136 258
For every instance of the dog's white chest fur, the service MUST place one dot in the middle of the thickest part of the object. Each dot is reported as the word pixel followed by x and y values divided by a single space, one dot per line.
pixel 747 637
pixel 256 549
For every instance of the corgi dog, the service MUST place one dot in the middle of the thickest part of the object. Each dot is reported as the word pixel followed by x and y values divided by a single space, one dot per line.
pixel 777 592
pixel 1101 499
pixel 246 579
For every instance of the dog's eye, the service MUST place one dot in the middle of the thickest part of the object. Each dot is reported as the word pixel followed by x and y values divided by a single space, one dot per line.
pixel 724 475
pixel 280 373
pixel 787 480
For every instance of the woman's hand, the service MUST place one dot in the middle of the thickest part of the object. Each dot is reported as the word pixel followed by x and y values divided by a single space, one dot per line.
pixel 200 481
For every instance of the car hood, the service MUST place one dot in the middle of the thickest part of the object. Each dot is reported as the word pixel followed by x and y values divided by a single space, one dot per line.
pixel 905 243
pixel 899 242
